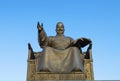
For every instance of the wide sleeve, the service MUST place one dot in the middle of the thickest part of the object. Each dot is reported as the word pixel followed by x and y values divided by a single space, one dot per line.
pixel 82 42
pixel 42 38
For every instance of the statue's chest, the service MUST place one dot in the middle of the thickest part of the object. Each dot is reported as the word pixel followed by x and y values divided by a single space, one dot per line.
pixel 61 43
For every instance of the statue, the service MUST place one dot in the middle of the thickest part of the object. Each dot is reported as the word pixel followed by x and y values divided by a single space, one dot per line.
pixel 60 54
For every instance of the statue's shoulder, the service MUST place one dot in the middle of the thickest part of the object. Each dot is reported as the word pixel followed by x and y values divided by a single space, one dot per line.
pixel 69 38
pixel 51 37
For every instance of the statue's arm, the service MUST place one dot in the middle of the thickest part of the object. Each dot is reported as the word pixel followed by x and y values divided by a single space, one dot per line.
pixel 85 41
pixel 81 42
pixel 42 37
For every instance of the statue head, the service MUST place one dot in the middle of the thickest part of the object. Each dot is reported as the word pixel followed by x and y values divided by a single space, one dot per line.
pixel 60 28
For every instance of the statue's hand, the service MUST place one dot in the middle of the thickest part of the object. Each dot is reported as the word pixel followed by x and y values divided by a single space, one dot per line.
pixel 39 27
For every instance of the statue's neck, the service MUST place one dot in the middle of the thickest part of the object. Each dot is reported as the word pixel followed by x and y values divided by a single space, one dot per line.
pixel 60 35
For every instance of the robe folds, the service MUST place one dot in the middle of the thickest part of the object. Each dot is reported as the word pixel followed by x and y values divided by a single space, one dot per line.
pixel 62 61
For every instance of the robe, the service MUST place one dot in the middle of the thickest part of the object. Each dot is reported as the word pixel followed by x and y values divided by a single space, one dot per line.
pixel 60 54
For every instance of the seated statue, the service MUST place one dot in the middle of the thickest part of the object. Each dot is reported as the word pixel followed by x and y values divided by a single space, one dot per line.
pixel 60 54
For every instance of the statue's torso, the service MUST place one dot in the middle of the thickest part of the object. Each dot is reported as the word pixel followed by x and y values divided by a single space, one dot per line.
pixel 59 42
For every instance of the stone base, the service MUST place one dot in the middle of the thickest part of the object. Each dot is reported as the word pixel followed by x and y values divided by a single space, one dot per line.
pixel 59 76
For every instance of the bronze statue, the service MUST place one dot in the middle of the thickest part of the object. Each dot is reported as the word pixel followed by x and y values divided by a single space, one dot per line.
pixel 60 53
pixel 61 58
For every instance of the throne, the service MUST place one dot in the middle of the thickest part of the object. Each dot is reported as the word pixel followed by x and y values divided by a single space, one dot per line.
pixel 34 75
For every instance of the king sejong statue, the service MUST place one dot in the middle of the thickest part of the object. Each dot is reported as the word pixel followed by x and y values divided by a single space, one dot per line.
pixel 60 54
pixel 61 57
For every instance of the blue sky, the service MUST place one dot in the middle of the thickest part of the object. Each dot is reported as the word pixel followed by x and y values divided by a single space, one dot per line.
pixel 95 19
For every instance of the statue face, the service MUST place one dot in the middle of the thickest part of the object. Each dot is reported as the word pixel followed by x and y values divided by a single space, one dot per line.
pixel 60 28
